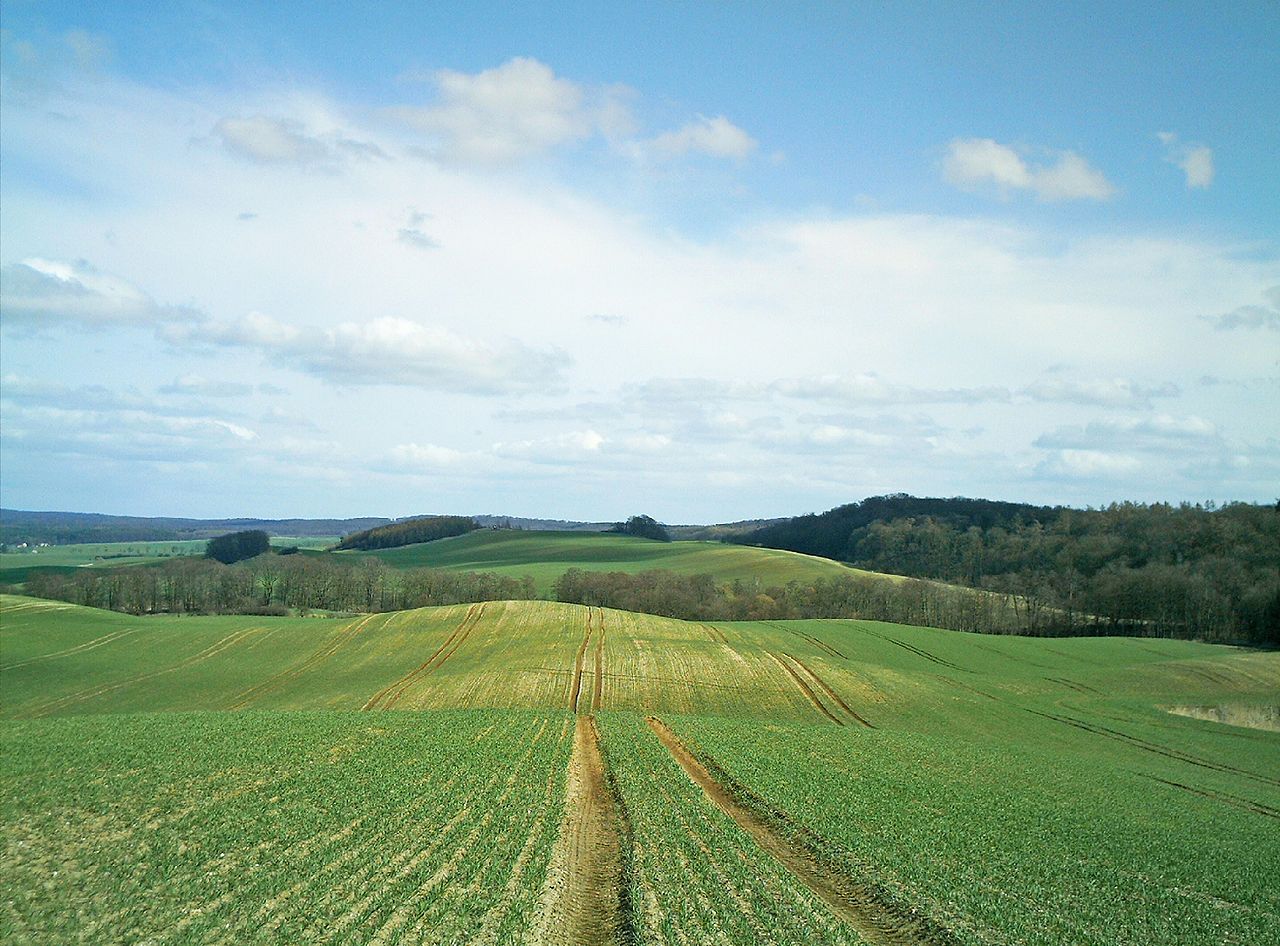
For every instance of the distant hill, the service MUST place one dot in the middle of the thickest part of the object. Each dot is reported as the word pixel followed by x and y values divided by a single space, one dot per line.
pixel 540 525
pixel 66 528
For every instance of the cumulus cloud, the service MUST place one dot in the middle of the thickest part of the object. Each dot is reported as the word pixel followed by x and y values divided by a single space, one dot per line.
pixel 716 137
pixel 269 139
pixel 870 388
pixel 390 351
pixel 194 384
pixel 511 112
pixel 1159 433
pixel 971 163
pixel 39 292
pixel 123 433
pixel 386 350
pixel 415 457
pixel 1115 392
pixel 1194 160
pixel 1266 316
pixel 1087 465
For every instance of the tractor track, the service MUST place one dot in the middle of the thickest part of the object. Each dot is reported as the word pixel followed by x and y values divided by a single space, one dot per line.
pixel 878 921
pixel 211 651
pixel 820 644
pixel 1143 744
pixel 805 689
pixel 826 688
pixel 78 649
pixel 587 884
pixel 597 689
pixel 575 686
pixel 389 695
pixel 319 656
pixel 1235 802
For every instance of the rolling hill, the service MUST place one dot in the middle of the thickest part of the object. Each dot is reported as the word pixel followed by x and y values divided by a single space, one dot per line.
pixel 547 555
pixel 422 775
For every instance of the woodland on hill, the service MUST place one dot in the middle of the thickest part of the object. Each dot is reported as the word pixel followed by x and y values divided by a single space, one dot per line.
pixel 409 532
pixel 1188 571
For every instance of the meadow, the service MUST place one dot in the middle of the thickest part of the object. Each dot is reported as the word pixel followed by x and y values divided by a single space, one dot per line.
pixel 545 556
pixel 412 777
pixel 16 566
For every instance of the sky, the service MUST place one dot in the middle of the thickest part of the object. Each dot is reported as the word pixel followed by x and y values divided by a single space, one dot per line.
pixel 700 261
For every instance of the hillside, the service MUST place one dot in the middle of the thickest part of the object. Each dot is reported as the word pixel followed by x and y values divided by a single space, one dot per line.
pixel 547 555
pixel 1186 571
pixel 64 528
pixel 400 777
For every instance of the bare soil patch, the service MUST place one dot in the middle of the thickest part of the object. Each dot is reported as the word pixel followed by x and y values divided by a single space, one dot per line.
pixel 1251 717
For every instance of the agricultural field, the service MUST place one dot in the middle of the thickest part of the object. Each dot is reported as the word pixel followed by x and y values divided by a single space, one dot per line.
pixel 15 566
pixel 545 556
pixel 540 772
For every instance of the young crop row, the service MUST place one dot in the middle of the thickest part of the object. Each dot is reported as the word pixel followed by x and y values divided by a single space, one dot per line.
pixel 1014 844
pixel 317 828
pixel 695 876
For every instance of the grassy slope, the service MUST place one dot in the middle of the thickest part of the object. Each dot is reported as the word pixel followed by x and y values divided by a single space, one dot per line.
pixel 547 555
pixel 16 566
pixel 1115 822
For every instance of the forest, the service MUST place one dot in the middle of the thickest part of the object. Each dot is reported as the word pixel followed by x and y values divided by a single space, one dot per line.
pixel 1185 571
pixel 409 532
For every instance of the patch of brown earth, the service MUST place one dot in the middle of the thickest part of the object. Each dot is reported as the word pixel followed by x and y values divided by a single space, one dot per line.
pixel 1252 717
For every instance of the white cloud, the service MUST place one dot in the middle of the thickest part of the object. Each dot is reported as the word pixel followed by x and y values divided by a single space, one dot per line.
pixel 194 384
pixel 1159 433
pixel 1195 160
pixel 1114 392
pixel 870 388
pixel 274 140
pixel 1088 465
pixel 511 112
pixel 415 457
pixel 38 292
pixel 975 162
pixel 717 137
pixel 387 351
pixel 1250 316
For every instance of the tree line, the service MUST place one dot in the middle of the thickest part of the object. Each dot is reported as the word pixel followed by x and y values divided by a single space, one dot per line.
pixel 272 584
pixel 409 532
pixel 1181 571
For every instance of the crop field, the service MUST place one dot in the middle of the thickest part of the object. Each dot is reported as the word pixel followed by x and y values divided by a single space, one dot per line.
pixel 545 556
pixel 540 772
pixel 16 566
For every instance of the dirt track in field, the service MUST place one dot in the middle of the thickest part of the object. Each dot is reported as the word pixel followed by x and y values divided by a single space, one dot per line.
pixel 323 653
pixel 575 687
pixel 588 894
pixel 389 695
pixel 879 923
pixel 597 691
pixel 826 688
pixel 804 687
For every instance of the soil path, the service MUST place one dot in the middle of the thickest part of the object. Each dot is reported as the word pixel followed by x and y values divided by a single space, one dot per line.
pixel 575 688
pixel 588 904
pixel 877 922
pixel 597 691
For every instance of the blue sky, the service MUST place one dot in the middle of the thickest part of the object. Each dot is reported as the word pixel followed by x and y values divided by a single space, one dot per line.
pixel 707 261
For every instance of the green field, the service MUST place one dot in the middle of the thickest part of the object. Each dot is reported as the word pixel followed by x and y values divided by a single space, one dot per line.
pixel 545 556
pixel 16 566
pixel 401 777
